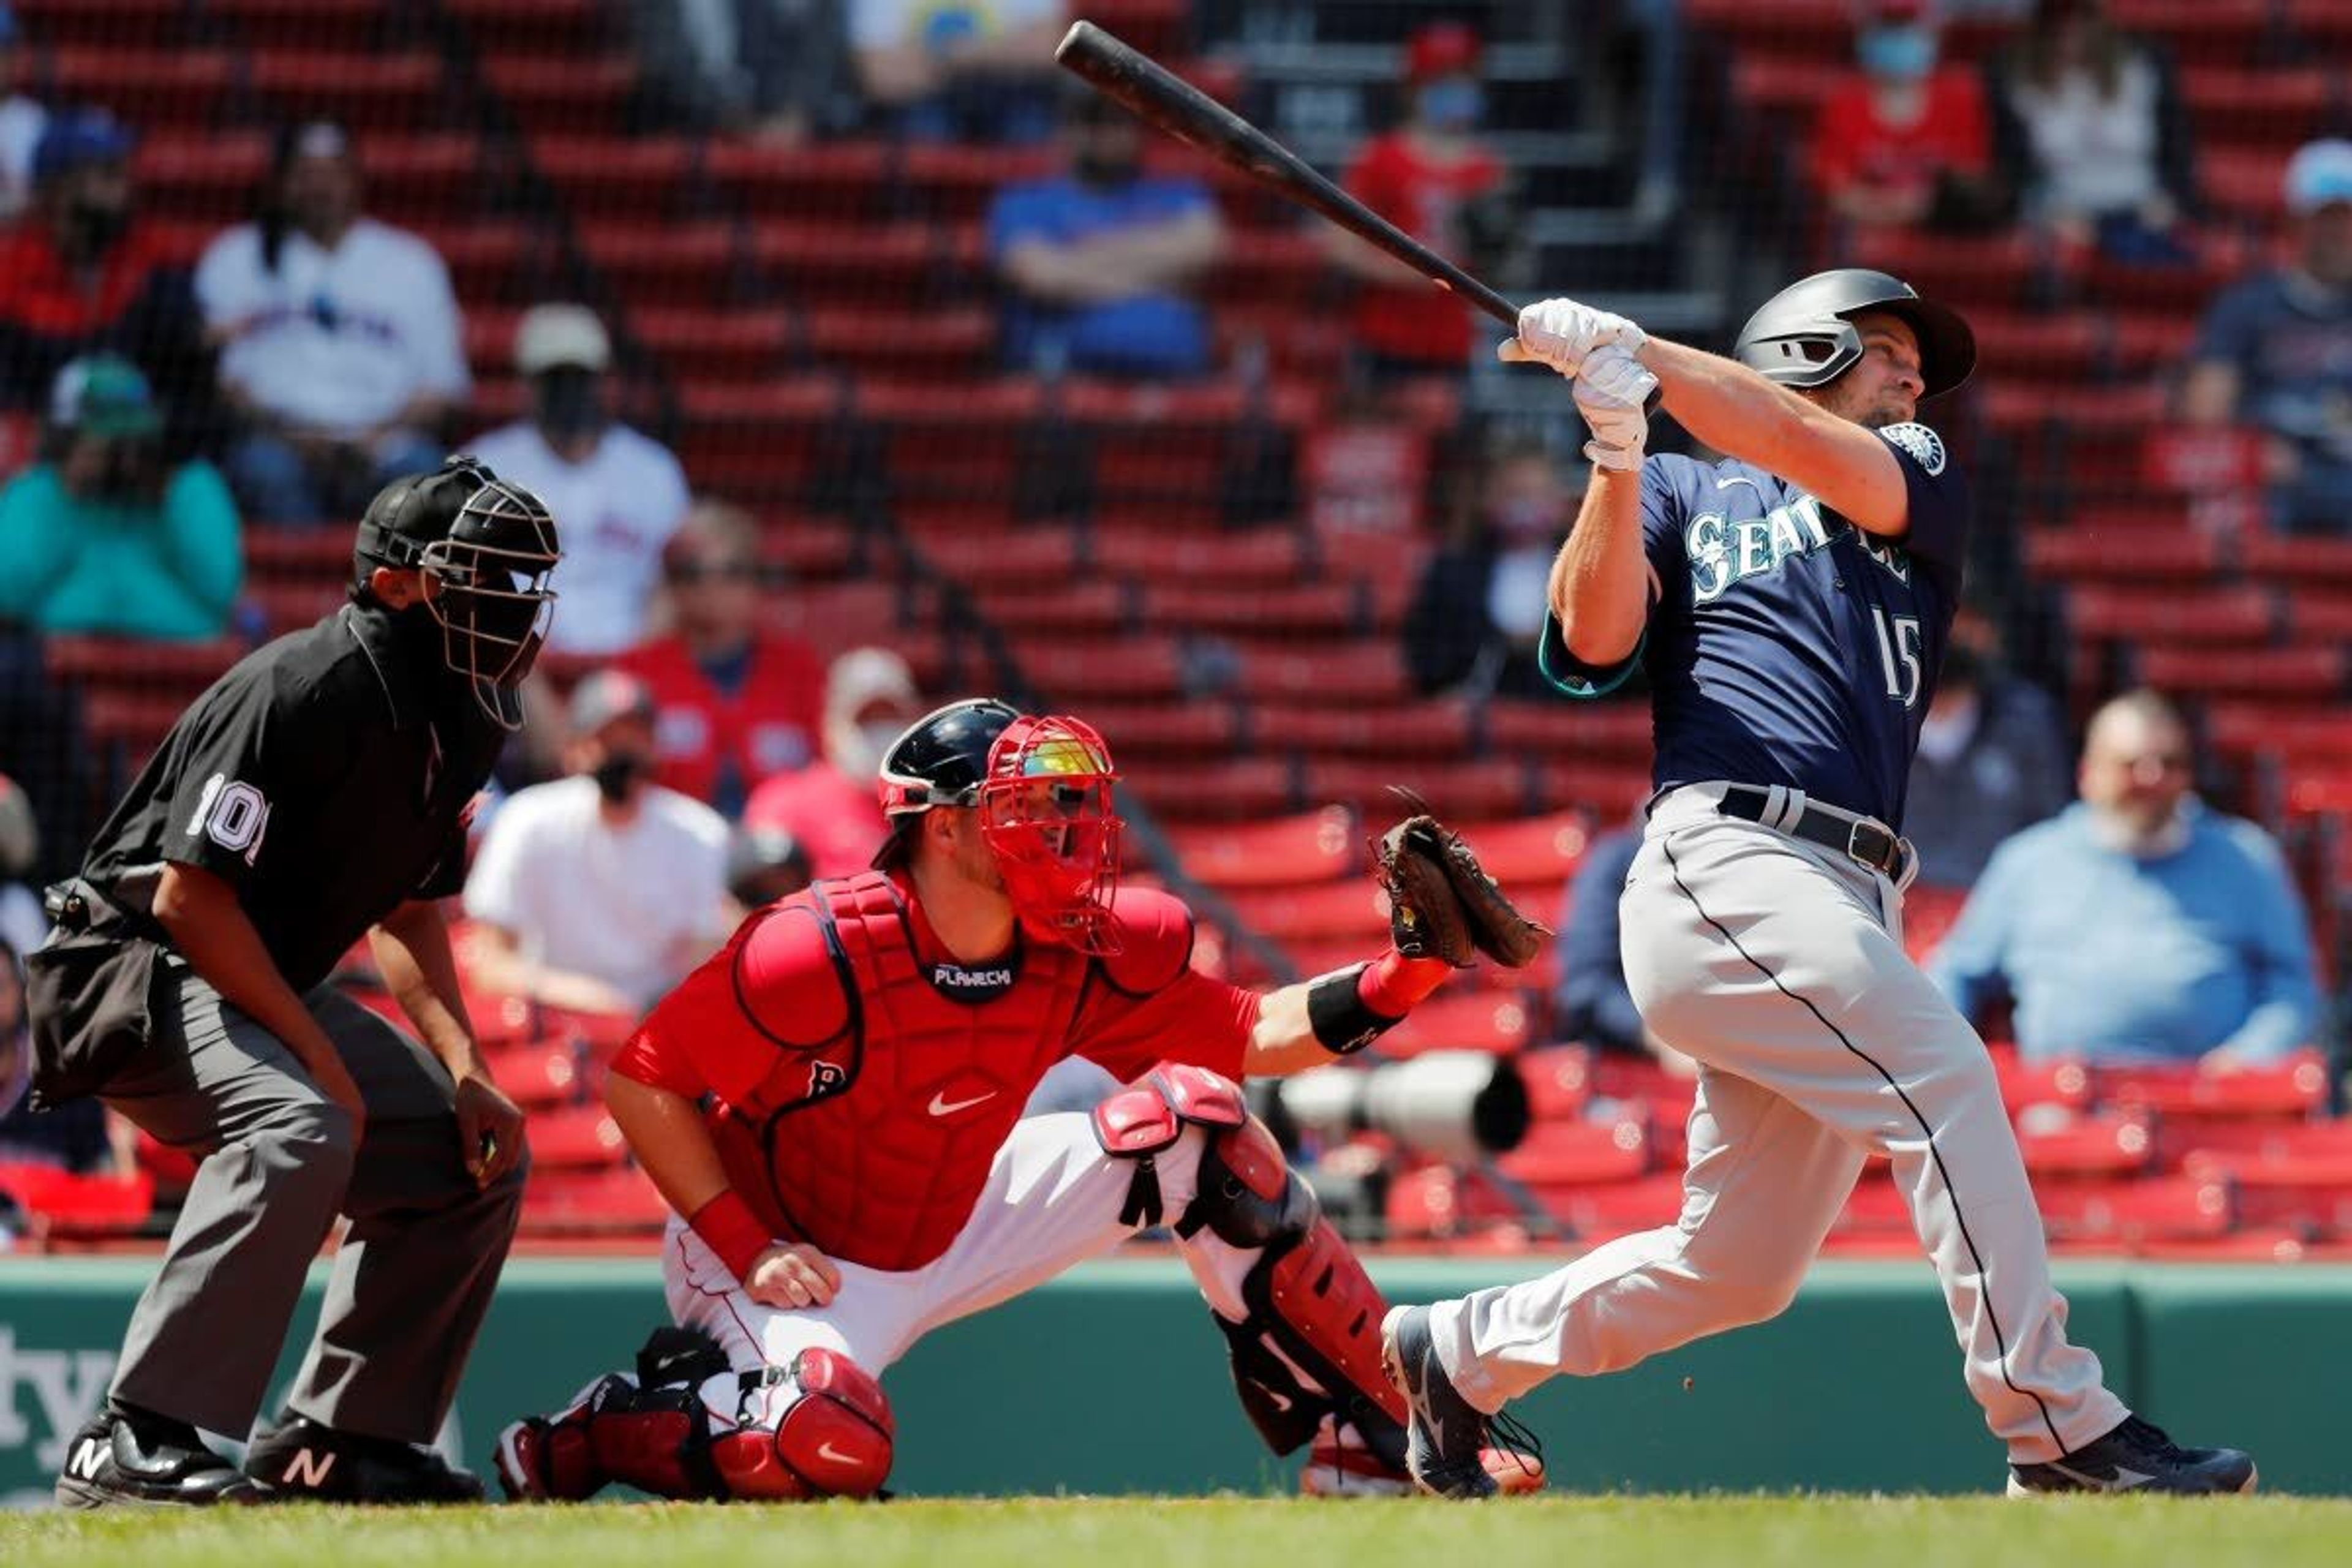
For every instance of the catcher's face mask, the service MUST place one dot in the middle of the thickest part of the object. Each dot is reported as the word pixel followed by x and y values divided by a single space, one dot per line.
pixel 1046 812
pixel 491 595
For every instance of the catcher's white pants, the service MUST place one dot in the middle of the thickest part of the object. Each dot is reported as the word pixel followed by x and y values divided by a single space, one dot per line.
pixel 1053 1199
pixel 1781 968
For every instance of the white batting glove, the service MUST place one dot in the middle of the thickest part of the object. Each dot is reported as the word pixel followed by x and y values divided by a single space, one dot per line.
pixel 1562 333
pixel 1613 395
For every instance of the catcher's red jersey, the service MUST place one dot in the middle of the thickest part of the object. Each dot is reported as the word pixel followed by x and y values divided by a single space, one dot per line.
pixel 864 1078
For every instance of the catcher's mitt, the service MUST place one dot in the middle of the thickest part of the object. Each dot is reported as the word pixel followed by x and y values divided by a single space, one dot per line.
pixel 1442 903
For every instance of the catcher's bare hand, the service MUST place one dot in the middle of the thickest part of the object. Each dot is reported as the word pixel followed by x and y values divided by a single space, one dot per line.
pixel 791 1274
pixel 1442 903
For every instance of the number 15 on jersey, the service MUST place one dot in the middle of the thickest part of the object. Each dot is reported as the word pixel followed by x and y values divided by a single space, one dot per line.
pixel 1899 653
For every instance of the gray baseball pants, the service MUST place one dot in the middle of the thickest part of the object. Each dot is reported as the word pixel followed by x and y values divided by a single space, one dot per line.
pixel 1779 967
pixel 416 1270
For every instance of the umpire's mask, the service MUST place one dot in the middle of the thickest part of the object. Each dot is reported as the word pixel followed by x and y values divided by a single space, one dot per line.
pixel 488 547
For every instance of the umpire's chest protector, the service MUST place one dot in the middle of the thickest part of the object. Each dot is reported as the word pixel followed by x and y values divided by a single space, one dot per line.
pixel 874 1144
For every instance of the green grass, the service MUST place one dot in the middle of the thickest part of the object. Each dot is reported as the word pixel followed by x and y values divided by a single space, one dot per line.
pixel 1226 1533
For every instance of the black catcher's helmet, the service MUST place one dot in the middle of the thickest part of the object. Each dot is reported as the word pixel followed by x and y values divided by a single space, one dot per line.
pixel 941 759
pixel 1804 336
pixel 489 546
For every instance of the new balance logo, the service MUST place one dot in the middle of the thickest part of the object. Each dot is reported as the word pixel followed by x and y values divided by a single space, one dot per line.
pixel 307 1467
pixel 88 1458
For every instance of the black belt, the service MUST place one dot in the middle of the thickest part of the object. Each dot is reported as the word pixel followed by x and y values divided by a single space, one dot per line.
pixel 1862 841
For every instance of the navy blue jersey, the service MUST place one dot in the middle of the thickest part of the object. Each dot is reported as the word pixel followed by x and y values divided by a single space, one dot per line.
pixel 1786 645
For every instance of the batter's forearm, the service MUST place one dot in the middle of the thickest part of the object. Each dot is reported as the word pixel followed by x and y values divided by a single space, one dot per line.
pixel 1600 586
pixel 666 1133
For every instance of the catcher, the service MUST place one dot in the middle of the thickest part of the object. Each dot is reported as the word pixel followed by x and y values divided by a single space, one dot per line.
pixel 831 1106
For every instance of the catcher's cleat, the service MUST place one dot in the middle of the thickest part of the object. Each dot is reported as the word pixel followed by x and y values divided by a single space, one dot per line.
pixel 2136 1457
pixel 1445 1437
pixel 144 1460
pixel 297 1460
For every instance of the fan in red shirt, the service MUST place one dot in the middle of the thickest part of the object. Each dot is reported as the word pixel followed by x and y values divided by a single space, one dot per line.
pixel 1420 177
pixel 833 1103
pixel 828 807
pixel 1902 139
pixel 733 703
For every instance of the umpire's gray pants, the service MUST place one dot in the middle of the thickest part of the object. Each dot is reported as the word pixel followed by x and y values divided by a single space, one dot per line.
pixel 414 1273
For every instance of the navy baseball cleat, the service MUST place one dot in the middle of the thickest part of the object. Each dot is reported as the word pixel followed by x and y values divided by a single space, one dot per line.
pixel 144 1460
pixel 2136 1457
pixel 1445 1434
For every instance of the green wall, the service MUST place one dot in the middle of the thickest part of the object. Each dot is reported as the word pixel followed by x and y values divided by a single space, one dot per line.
pixel 1112 1380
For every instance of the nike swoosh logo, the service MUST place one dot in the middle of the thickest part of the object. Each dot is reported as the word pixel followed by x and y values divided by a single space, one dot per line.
pixel 827 1451
pixel 942 1106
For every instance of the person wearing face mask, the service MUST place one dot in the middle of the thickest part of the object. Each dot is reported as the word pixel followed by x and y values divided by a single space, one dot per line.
pixel 2137 925
pixel 1098 264
pixel 735 703
pixel 1426 176
pixel 2275 350
pixel 596 892
pixel 620 494
pixel 340 344
pixel 1475 617
pixel 1991 760
pixel 313 797
pixel 103 536
pixel 828 807
pixel 1903 143
pixel 80 275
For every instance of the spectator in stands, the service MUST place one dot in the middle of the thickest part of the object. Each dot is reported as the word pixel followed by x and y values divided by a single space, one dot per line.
pixel 103 536
pixel 764 865
pixel 1591 1004
pixel 1903 143
pixel 1098 263
pixel 1433 178
pixel 1475 617
pixel 23 925
pixel 830 808
pixel 339 336
pixel 961 70
pixel 2275 350
pixel 78 275
pixel 2090 129
pixel 2137 925
pixel 735 703
pixel 774 70
pixel 598 891
pixel 617 495
pixel 1991 760
pixel 22 120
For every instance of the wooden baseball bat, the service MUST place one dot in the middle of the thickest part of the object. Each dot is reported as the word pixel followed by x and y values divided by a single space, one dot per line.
pixel 1153 92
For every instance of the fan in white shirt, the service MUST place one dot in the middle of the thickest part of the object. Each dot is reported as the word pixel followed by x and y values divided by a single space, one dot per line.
pixel 340 338
pixel 600 891
pixel 616 495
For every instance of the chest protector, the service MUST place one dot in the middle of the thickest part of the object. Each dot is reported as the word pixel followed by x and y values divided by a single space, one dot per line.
pixel 874 1144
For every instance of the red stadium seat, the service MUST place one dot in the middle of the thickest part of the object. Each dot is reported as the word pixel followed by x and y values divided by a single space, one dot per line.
pixel 1360 672
pixel 657 263
pixel 1071 671
pixel 1141 734
pixel 182 89
pixel 538 1076
pixel 577 95
pixel 2293 1090
pixel 365 91
pixel 1455 791
pixel 643 177
pixel 1090 608
pixel 585 1203
pixel 2232 614
pixel 1611 732
pixel 2313 673
pixel 2023 1083
pixel 1558 1080
pixel 1242 790
pixel 1027 558
pixel 1467 1020
pixel 1440 728
pixel 717 345
pixel 1305 610
pixel 2095 555
pixel 2131 1211
pixel 953 345
pixel 1580 1153
pixel 2087 1146
pixel 1350 909
pixel 1308 847
pixel 2297 562
pixel 1238 563
pixel 581 1138
pixel 828 181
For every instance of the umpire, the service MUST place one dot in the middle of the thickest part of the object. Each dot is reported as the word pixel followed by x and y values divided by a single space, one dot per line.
pixel 316 793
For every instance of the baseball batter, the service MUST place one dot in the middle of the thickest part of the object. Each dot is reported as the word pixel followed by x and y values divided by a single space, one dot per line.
pixel 832 1105
pixel 1789 605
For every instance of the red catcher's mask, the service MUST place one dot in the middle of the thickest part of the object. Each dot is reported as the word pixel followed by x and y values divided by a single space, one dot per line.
pixel 1045 814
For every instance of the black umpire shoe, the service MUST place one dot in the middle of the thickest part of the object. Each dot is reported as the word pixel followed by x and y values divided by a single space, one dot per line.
pixel 142 1459
pixel 1445 1435
pixel 297 1460
pixel 2136 1457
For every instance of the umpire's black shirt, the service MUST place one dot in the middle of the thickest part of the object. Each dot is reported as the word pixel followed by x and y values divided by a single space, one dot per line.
pixel 326 777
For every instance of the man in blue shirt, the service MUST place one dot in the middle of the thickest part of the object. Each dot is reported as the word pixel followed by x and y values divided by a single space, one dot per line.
pixel 1790 605
pixel 2137 926
pixel 2276 351
pixel 1098 263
